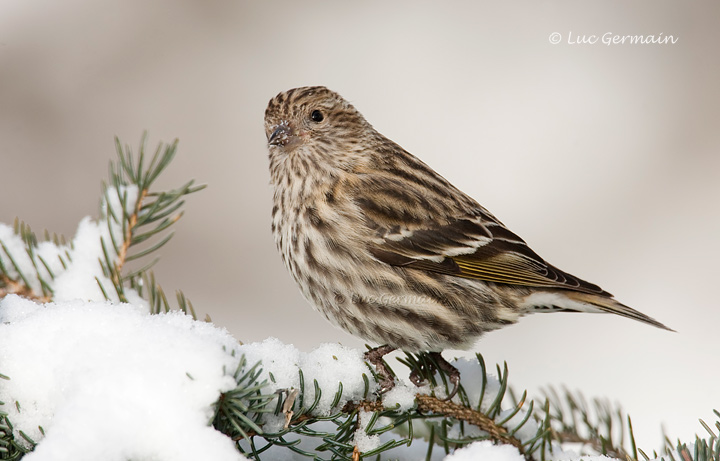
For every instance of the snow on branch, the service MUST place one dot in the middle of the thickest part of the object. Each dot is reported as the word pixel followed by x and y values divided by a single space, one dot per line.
pixel 100 380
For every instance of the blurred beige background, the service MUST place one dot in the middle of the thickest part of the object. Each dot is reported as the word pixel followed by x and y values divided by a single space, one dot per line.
pixel 604 158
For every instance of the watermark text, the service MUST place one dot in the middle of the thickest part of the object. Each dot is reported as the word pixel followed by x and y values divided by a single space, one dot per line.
pixel 610 38
pixel 393 300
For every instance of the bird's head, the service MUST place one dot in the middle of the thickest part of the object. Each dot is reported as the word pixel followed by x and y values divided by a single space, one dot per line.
pixel 315 124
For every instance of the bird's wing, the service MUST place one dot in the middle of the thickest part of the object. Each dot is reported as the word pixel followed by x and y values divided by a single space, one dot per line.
pixel 476 247
pixel 423 222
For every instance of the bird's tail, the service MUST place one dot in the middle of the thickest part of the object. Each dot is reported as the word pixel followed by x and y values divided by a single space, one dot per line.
pixel 598 303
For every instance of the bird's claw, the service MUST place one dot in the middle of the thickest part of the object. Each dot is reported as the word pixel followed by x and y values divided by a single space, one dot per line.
pixel 375 357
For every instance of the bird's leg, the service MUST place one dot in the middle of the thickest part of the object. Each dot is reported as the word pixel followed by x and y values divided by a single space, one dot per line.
pixel 375 357
pixel 445 366
pixel 452 372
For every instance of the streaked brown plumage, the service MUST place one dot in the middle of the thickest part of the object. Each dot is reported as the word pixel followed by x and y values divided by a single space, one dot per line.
pixel 388 249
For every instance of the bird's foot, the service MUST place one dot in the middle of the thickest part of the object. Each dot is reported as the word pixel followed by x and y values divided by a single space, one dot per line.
pixel 444 365
pixel 375 357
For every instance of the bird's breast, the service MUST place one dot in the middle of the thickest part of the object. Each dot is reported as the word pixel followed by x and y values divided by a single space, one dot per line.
pixel 317 231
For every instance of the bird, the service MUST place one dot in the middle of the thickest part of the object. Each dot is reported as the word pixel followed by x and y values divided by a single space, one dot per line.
pixel 389 250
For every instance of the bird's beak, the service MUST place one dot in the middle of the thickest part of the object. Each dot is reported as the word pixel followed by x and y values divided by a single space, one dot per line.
pixel 280 135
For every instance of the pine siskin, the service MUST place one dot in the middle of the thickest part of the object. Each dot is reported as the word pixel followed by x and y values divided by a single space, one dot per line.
pixel 389 250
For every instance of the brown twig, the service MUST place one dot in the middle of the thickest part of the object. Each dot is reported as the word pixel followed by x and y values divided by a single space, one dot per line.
pixel 9 286
pixel 127 240
pixel 428 403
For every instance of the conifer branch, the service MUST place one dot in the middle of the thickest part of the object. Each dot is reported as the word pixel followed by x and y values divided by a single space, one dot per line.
pixel 148 217
pixel 430 411
pixel 599 427
pixel 135 221
pixel 13 279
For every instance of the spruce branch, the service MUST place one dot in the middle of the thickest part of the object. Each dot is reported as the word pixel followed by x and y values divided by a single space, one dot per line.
pixel 598 426
pixel 602 428
pixel 135 221
pixel 451 424
pixel 144 221
pixel 247 412
pixel 703 449
pixel 13 276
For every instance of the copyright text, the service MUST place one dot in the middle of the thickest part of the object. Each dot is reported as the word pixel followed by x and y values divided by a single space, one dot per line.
pixel 610 38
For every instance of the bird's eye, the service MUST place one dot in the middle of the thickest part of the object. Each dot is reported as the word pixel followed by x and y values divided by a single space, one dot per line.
pixel 317 116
